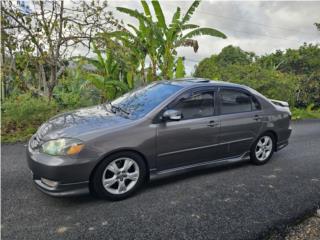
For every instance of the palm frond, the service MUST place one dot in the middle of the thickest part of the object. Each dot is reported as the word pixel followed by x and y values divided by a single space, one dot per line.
pixel 118 34
pixel 190 11
pixel 176 16
pixel 159 13
pixel 203 31
pixel 133 13
pixel 98 53
pixel 146 8
pixel 174 25
pixel 189 26
pixel 117 83
pixel 137 32
pixel 96 80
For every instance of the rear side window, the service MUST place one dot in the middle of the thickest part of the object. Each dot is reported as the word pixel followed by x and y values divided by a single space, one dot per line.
pixel 233 101
pixel 198 105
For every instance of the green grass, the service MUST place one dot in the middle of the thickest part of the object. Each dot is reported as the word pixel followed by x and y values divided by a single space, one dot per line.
pixel 22 115
pixel 308 113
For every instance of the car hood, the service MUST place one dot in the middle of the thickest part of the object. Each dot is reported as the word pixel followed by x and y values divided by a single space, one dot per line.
pixel 78 123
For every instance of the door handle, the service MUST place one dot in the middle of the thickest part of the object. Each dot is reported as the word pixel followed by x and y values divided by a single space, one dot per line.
pixel 212 124
pixel 256 117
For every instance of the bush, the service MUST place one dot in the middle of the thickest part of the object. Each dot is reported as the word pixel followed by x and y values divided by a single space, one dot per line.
pixel 70 93
pixel 307 113
pixel 271 83
pixel 23 114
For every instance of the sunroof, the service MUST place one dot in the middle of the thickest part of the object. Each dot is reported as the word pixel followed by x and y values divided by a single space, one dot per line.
pixel 194 80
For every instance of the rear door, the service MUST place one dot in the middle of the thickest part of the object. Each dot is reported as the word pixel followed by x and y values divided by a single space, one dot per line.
pixel 240 120
pixel 193 139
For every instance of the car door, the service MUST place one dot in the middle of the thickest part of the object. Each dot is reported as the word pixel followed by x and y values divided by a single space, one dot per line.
pixel 194 138
pixel 240 120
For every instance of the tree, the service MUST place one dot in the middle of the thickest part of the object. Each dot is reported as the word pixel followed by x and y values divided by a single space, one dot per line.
pixel 210 67
pixel 317 25
pixel 304 60
pixel 162 40
pixel 52 31
pixel 207 68
pixel 234 55
pixel 180 71
pixel 105 75
pixel 295 71
pixel 135 47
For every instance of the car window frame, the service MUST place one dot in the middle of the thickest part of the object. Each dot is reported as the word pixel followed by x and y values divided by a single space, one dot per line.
pixel 189 91
pixel 239 90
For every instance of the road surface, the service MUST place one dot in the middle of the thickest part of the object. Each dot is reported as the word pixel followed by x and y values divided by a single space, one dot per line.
pixel 242 201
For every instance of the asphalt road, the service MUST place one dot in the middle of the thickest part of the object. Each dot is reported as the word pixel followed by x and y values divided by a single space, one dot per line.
pixel 237 202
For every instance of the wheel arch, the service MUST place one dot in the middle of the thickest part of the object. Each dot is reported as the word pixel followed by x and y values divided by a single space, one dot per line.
pixel 275 135
pixel 102 158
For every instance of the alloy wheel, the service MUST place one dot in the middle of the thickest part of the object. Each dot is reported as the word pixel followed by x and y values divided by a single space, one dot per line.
pixel 120 175
pixel 264 148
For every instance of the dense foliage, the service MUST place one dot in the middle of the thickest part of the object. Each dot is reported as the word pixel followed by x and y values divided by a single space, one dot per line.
pixel 23 114
pixel 291 75
pixel 158 40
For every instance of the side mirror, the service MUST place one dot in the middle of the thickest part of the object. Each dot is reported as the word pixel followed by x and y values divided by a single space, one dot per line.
pixel 173 115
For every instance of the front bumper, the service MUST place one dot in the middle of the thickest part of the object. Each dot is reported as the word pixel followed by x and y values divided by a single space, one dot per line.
pixel 70 174
pixel 62 190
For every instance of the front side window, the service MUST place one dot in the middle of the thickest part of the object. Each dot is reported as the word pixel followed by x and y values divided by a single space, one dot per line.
pixel 233 101
pixel 198 105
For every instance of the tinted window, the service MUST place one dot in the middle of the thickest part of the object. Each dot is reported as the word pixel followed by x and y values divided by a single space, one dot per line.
pixel 140 102
pixel 255 104
pixel 198 105
pixel 233 101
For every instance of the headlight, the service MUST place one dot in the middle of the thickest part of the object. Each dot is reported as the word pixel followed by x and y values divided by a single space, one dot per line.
pixel 62 147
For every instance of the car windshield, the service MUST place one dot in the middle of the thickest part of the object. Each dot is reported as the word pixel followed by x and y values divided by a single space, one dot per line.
pixel 138 103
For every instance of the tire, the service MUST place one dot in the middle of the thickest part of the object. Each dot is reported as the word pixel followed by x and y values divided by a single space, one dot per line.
pixel 262 149
pixel 118 176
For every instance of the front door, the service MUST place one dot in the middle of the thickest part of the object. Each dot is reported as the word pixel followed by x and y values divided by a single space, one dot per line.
pixel 194 138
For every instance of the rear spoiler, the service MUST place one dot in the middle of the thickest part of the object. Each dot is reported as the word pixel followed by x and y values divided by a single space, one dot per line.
pixel 279 103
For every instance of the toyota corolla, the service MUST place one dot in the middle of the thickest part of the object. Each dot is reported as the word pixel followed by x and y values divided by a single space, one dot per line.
pixel 167 127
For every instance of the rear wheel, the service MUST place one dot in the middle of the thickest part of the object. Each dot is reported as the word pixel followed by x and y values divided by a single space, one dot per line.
pixel 118 176
pixel 262 150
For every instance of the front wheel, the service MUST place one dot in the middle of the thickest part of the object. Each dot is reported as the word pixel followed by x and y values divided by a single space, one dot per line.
pixel 118 176
pixel 262 149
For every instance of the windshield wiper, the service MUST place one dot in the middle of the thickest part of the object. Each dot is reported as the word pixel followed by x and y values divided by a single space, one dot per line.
pixel 117 108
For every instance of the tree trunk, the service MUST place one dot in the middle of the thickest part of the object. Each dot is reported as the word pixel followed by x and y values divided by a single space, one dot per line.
pixel 53 81
pixel 142 73
pixel 3 82
pixel 43 80
pixel 154 69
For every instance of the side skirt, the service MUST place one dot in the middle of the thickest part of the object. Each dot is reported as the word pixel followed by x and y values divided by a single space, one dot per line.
pixel 154 174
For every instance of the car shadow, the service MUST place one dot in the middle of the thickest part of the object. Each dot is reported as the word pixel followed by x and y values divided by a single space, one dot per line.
pixel 156 183
pixel 172 179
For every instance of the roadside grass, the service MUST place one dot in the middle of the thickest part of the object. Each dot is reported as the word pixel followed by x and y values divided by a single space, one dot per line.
pixel 307 113
pixel 22 115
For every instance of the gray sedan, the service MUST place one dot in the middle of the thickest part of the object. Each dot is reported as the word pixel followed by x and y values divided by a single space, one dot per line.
pixel 164 128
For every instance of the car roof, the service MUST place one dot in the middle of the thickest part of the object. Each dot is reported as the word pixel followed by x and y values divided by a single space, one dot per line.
pixel 188 82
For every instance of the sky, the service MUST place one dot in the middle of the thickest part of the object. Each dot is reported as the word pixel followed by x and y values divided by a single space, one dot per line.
pixel 258 26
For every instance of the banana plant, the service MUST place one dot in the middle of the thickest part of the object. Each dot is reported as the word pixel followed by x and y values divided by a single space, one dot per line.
pixel 134 49
pixel 162 40
pixel 106 76
pixel 144 38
